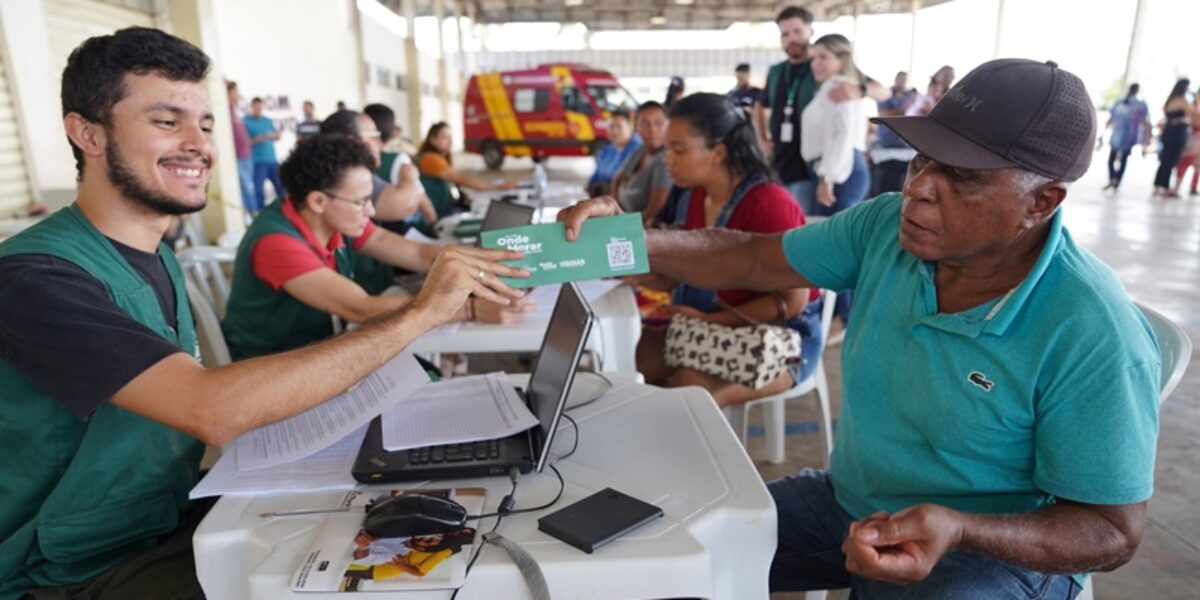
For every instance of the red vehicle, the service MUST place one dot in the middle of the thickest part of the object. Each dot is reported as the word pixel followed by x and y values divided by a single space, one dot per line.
pixel 550 110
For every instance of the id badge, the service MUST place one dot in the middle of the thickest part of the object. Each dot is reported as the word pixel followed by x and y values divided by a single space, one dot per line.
pixel 785 132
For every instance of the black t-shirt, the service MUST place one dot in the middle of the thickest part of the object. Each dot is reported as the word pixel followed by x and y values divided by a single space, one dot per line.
pixel 744 98
pixel 786 160
pixel 61 330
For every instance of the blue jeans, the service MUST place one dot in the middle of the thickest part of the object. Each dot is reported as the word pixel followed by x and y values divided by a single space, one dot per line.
pixel 848 193
pixel 805 193
pixel 264 171
pixel 812 527
pixel 246 183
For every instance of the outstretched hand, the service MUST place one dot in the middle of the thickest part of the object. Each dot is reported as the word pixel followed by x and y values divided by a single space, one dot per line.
pixel 574 216
pixel 902 548
pixel 458 272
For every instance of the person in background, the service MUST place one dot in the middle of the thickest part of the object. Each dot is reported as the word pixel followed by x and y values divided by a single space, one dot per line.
pixel 396 204
pixel 945 77
pixel 1129 119
pixel 723 181
pixel 438 173
pixel 241 150
pixel 743 94
pixel 642 183
pixel 263 135
pixel 1191 153
pixel 295 265
pixel 623 142
pixel 1177 125
pixel 311 125
pixel 675 91
pixel 889 153
pixel 923 103
pixel 834 133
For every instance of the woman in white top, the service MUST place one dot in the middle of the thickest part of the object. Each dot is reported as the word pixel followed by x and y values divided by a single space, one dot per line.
pixel 833 135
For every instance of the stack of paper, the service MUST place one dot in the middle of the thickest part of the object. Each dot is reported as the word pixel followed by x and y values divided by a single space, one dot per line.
pixel 466 409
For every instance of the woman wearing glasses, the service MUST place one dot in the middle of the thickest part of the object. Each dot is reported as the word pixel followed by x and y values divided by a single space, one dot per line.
pixel 294 267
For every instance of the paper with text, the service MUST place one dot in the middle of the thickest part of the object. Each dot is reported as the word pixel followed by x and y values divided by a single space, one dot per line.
pixel 328 469
pixel 318 428
pixel 464 409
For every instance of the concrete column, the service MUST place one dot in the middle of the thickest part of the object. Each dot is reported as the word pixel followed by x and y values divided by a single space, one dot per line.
pixel 999 28
pixel 1133 59
pixel 413 76
pixel 857 14
pixel 439 13
pixel 914 8
pixel 193 21
pixel 26 49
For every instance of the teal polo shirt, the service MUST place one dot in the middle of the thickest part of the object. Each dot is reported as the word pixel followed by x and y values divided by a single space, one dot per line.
pixel 1048 391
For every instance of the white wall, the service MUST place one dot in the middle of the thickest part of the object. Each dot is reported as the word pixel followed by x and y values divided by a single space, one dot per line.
pixel 302 49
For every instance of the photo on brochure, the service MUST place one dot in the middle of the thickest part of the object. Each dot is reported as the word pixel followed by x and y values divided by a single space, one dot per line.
pixel 345 558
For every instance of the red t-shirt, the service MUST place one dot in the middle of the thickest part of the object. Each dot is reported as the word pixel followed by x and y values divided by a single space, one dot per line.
pixel 766 208
pixel 278 258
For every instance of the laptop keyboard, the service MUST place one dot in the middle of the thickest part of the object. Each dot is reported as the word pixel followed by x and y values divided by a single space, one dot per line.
pixel 455 453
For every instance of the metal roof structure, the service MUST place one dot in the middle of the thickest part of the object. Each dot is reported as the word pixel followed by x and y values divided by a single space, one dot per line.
pixel 659 14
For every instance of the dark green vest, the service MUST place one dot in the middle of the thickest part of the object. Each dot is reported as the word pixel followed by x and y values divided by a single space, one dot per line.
pixel 260 320
pixel 387 160
pixel 804 94
pixel 438 190
pixel 77 496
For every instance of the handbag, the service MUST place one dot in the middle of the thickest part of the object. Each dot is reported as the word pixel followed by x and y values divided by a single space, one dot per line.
pixel 752 355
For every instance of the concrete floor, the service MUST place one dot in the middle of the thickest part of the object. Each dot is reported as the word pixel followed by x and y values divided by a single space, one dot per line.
pixel 1154 246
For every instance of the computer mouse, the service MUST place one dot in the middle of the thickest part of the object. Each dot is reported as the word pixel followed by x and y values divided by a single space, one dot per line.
pixel 414 514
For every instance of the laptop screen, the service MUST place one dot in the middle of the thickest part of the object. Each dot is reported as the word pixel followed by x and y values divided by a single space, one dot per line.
pixel 552 375
pixel 502 215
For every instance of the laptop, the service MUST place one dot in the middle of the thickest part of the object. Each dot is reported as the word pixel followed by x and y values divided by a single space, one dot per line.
pixel 501 214
pixel 549 384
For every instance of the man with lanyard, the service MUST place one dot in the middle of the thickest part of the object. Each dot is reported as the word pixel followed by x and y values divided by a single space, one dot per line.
pixel 104 405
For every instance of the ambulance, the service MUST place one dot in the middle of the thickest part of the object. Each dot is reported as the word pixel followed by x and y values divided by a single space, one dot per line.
pixel 550 110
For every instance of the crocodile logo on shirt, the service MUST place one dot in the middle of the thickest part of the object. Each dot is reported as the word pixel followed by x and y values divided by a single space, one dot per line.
pixel 980 380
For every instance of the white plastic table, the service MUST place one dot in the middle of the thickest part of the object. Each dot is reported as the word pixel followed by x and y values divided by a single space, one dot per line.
pixel 671 448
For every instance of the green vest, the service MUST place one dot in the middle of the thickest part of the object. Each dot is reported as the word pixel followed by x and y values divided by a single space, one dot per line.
pixel 438 190
pixel 387 160
pixel 78 496
pixel 807 89
pixel 260 320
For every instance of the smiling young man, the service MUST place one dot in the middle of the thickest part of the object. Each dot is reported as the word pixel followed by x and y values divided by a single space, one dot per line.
pixel 103 403
pixel 1000 406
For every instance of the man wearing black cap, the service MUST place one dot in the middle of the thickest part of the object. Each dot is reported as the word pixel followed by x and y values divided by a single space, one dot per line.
pixel 1000 408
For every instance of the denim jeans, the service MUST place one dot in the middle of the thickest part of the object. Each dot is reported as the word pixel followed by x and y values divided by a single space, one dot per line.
pixel 812 527
pixel 805 193
pixel 246 183
pixel 264 171
pixel 847 193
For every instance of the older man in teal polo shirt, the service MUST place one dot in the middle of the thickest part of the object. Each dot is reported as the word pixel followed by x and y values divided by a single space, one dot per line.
pixel 1000 412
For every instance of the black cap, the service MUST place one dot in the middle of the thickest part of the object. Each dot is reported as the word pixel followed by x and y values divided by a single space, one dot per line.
pixel 1006 113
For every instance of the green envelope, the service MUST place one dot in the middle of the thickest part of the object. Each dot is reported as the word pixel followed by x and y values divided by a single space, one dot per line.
pixel 607 247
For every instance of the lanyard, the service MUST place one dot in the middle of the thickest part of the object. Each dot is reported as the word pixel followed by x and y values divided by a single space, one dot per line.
pixel 791 93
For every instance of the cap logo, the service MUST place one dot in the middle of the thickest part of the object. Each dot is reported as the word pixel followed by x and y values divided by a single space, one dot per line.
pixel 968 102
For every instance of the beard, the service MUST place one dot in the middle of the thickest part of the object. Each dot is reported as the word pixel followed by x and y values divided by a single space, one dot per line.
pixel 131 187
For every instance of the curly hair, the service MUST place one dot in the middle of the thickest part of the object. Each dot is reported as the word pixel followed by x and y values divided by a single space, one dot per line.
pixel 94 78
pixel 318 163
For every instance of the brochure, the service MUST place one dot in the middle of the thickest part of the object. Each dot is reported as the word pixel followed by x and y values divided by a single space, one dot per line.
pixel 607 247
pixel 345 558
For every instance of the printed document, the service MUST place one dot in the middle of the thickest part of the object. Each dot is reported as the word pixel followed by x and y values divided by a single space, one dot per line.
pixel 463 409
pixel 318 428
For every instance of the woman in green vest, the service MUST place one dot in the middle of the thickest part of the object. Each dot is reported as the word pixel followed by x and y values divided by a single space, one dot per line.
pixel 438 173
pixel 294 270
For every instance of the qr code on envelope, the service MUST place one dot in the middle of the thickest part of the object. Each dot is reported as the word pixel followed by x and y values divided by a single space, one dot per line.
pixel 620 254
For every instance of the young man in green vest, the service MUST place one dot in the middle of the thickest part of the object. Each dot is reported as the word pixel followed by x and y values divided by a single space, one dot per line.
pixel 104 407
pixel 295 265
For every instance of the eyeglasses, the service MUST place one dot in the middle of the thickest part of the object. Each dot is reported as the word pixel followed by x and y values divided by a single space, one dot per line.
pixel 359 203
pixel 369 134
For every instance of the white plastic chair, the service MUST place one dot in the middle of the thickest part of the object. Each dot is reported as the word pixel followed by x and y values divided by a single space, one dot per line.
pixel 203 267
pixel 1175 348
pixel 774 422
pixel 213 350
